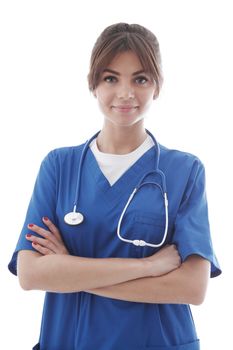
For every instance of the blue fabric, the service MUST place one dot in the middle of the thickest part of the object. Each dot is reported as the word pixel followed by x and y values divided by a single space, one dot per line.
pixel 84 321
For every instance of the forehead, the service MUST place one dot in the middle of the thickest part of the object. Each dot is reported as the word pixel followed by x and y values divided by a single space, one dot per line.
pixel 127 60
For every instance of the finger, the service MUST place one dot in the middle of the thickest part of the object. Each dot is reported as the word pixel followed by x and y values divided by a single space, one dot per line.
pixel 42 242
pixel 42 232
pixel 56 233
pixel 41 249
pixel 52 227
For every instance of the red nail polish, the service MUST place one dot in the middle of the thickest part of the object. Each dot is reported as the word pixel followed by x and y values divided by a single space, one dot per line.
pixel 45 218
pixel 30 225
pixel 28 235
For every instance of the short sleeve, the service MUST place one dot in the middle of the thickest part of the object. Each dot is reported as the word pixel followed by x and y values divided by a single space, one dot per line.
pixel 192 230
pixel 42 203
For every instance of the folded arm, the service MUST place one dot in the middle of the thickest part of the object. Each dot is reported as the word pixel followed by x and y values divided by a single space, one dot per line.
pixel 160 278
pixel 67 274
pixel 185 285
pixel 51 268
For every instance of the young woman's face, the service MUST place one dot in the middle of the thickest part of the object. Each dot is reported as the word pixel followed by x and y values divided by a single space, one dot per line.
pixel 125 91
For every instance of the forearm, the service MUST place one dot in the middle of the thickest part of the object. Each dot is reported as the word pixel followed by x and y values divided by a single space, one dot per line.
pixel 144 290
pixel 185 285
pixel 66 273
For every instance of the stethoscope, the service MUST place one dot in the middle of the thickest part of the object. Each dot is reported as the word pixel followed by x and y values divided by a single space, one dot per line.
pixel 75 218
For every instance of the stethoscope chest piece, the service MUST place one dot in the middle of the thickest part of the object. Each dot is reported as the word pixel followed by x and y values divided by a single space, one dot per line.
pixel 73 218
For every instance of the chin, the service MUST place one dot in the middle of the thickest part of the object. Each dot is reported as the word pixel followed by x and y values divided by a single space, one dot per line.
pixel 128 123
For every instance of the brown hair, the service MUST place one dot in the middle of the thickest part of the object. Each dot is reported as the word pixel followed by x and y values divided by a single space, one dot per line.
pixel 123 37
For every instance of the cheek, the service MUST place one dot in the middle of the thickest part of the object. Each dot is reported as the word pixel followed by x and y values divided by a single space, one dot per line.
pixel 104 99
pixel 146 99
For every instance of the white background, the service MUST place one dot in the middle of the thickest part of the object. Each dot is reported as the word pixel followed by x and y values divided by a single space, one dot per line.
pixel 45 103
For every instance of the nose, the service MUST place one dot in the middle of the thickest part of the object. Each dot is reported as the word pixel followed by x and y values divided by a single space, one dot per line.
pixel 125 92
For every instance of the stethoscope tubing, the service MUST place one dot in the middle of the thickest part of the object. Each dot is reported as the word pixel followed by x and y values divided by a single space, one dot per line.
pixel 140 242
pixel 83 154
pixel 75 218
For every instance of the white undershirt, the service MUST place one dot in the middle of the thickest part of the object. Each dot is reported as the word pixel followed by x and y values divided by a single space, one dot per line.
pixel 113 166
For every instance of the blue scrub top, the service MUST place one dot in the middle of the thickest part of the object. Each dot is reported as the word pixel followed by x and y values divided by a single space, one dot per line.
pixel 82 321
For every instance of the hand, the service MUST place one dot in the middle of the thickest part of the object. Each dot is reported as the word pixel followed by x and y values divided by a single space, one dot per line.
pixel 164 261
pixel 51 243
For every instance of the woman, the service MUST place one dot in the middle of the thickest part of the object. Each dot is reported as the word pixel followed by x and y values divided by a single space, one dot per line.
pixel 119 270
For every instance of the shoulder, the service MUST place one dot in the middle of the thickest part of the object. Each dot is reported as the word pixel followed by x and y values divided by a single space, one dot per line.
pixel 61 158
pixel 64 154
pixel 180 164
pixel 179 158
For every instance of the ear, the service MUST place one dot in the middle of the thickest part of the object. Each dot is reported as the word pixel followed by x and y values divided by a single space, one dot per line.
pixel 155 95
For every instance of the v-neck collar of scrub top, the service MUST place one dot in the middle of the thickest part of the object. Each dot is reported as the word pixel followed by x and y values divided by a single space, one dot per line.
pixel 129 179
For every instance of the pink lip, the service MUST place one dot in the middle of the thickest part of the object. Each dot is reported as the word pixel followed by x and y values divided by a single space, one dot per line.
pixel 125 108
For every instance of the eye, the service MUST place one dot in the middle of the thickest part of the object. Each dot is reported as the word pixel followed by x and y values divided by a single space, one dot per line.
pixel 141 80
pixel 110 79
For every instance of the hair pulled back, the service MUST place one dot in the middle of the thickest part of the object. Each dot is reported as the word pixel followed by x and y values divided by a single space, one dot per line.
pixel 121 37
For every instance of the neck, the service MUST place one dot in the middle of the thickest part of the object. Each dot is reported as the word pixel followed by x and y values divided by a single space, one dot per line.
pixel 121 140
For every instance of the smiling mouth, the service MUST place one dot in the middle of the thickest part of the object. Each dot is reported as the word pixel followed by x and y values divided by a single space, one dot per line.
pixel 125 109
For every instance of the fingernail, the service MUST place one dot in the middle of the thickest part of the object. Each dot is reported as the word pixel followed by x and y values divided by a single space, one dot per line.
pixel 45 218
pixel 34 243
pixel 30 225
pixel 28 235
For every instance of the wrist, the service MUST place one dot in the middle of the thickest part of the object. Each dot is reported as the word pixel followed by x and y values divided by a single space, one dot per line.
pixel 146 267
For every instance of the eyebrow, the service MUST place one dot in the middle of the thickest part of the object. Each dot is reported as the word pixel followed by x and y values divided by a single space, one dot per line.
pixel 117 73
